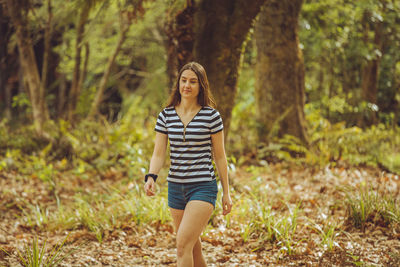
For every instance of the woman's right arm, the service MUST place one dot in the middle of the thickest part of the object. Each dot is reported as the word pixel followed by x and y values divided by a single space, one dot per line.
pixel 157 161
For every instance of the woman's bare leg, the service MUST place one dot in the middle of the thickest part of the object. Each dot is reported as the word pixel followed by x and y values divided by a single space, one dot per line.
pixel 192 222
pixel 198 258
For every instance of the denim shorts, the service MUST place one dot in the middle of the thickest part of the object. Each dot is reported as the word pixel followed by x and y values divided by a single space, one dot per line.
pixel 179 194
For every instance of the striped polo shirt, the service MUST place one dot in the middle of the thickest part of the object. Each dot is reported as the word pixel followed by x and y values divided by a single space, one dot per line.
pixel 190 146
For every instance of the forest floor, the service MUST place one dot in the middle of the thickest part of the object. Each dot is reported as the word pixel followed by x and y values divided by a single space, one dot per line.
pixel 319 192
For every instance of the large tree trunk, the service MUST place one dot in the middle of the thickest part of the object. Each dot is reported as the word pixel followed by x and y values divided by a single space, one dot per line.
pixel 216 36
pixel 280 71
pixel 28 63
pixel 221 28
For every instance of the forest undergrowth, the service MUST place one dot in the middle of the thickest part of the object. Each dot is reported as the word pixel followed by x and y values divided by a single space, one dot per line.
pixel 314 206
pixel 282 215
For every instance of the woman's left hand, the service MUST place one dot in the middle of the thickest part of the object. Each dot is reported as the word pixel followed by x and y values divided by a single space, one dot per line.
pixel 150 187
pixel 226 204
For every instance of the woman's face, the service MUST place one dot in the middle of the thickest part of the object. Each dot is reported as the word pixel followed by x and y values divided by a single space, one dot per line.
pixel 189 84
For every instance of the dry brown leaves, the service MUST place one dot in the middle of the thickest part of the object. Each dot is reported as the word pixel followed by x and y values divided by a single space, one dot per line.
pixel 319 192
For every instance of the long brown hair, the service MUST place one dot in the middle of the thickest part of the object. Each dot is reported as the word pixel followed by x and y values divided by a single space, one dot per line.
pixel 204 98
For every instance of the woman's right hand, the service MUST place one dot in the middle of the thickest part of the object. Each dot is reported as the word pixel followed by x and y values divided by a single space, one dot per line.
pixel 150 187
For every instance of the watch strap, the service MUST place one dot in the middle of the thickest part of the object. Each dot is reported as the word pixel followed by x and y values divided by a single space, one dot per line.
pixel 154 176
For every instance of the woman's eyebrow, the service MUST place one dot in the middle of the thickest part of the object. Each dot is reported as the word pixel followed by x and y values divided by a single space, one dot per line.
pixel 183 77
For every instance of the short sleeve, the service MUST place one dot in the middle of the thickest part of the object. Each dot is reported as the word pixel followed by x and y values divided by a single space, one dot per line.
pixel 216 124
pixel 161 125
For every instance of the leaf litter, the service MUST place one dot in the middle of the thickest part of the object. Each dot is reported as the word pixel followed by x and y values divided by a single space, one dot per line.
pixel 318 192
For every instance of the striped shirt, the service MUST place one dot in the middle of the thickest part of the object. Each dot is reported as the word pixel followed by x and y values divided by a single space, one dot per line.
pixel 190 146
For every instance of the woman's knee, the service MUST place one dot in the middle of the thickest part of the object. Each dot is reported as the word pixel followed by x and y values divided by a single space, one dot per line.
pixel 184 244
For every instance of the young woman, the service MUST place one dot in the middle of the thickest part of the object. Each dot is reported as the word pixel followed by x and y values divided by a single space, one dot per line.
pixel 195 132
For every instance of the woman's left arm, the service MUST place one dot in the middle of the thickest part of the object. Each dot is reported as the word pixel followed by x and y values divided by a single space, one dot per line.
pixel 217 140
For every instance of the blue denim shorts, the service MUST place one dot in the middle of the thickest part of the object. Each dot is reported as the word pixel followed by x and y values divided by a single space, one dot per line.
pixel 179 194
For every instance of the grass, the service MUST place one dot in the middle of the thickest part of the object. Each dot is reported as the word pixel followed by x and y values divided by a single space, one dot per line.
pixel 328 234
pixel 36 256
pixel 367 205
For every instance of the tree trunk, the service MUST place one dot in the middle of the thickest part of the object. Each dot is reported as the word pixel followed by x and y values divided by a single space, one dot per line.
pixel 75 86
pixel 28 63
pixel 62 96
pixel 83 74
pixel 220 29
pixel 370 71
pixel 103 82
pixel 7 101
pixel 5 31
pixel 45 67
pixel 280 71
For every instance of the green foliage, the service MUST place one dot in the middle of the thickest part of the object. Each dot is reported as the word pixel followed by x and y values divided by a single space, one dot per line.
pixel 21 139
pixel 378 145
pixel 243 128
pixel 372 146
pixel 139 69
pixel 21 100
pixel 338 38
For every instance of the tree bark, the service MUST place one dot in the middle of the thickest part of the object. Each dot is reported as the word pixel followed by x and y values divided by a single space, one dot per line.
pixel 5 30
pixel 280 71
pixel 45 67
pixel 62 96
pixel 220 29
pixel 28 62
pixel 7 101
pixel 75 85
pixel 370 71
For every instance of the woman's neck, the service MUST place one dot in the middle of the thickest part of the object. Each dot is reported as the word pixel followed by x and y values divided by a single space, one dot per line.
pixel 188 105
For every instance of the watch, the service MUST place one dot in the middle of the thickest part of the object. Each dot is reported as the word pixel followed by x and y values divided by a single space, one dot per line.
pixel 154 176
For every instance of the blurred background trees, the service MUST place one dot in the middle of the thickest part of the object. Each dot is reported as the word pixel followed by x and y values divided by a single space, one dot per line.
pixel 277 68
